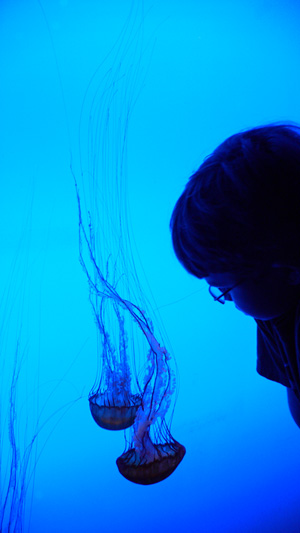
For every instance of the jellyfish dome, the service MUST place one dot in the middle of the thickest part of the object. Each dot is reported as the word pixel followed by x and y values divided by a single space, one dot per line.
pixel 114 413
pixel 162 463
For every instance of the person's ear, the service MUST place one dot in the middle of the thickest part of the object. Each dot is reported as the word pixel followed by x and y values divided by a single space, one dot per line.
pixel 292 272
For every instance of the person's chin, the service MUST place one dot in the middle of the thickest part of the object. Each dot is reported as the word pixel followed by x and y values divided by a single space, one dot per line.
pixel 241 310
pixel 245 312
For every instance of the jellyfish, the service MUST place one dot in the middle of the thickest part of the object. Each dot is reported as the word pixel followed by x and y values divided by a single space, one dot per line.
pixel 113 405
pixel 128 346
pixel 104 251
pixel 149 461
pixel 116 394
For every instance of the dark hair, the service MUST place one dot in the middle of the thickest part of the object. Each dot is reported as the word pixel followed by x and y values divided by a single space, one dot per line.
pixel 241 209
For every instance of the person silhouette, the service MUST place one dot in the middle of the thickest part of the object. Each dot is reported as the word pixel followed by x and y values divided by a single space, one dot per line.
pixel 237 226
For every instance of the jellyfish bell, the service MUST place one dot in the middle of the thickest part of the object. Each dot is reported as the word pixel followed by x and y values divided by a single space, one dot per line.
pixel 153 469
pixel 112 414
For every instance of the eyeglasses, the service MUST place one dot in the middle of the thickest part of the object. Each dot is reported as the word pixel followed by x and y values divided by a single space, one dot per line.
pixel 218 295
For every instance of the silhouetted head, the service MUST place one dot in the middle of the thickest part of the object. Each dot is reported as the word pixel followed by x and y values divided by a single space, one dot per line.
pixel 238 219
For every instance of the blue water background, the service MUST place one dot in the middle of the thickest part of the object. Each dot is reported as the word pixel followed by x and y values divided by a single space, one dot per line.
pixel 216 68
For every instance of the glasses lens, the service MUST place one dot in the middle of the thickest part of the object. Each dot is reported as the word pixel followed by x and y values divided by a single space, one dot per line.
pixel 217 294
